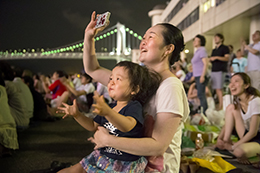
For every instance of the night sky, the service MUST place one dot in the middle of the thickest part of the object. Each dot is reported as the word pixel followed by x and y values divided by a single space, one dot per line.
pixel 52 23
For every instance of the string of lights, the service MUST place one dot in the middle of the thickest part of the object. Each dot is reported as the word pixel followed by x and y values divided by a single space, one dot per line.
pixel 71 48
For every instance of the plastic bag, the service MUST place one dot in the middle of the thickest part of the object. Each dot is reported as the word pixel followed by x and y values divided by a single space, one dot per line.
pixel 212 160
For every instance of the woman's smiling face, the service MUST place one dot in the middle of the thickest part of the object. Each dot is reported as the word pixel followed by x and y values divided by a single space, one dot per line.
pixel 152 45
pixel 237 86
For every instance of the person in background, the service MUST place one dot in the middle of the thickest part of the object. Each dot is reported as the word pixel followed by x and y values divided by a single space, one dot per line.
pixel 232 56
pixel 102 90
pixel 15 98
pixel 40 112
pixel 76 81
pixel 179 71
pixel 244 116
pixel 200 65
pixel 81 93
pixel 8 133
pixel 219 59
pixel 58 88
pixel 239 64
pixel 253 59
pixel 160 48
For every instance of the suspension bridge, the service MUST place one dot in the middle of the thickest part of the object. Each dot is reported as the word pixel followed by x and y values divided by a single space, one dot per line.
pixel 116 42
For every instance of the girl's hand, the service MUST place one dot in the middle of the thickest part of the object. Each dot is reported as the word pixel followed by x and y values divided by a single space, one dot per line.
pixel 69 110
pixel 100 107
pixel 91 31
pixel 100 138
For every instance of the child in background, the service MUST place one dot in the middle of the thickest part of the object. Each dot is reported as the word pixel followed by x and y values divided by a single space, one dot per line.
pixel 131 86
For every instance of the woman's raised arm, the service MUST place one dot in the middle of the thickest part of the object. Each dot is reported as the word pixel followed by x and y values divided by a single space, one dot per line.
pixel 90 61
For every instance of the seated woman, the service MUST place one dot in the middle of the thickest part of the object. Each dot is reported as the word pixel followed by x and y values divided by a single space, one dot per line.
pixel 244 116
pixel 8 134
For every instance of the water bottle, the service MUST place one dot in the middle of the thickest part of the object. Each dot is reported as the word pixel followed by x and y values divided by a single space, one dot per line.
pixel 199 141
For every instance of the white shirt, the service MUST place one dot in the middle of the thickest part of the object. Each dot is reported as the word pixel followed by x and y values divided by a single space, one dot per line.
pixel 171 97
pixel 88 88
pixel 182 73
pixel 77 83
pixel 253 109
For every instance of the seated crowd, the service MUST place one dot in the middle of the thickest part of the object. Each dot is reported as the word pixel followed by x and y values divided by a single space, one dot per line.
pixel 26 98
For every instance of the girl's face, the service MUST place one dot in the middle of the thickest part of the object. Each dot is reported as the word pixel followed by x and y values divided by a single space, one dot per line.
pixel 237 86
pixel 119 85
pixel 152 46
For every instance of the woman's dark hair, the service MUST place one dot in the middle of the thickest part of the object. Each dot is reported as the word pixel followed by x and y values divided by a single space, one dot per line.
pixel 249 90
pixel 141 77
pixel 202 39
pixel 172 35
pixel 87 77
pixel 220 36
pixel 7 71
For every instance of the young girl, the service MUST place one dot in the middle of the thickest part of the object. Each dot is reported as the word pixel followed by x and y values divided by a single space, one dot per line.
pixel 167 110
pixel 131 86
pixel 244 116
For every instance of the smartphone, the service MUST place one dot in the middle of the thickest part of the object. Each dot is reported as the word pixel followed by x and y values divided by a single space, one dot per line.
pixel 102 19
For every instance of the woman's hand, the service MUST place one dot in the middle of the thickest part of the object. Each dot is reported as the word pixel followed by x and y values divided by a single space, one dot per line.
pixel 100 138
pixel 69 110
pixel 202 79
pixel 100 107
pixel 91 31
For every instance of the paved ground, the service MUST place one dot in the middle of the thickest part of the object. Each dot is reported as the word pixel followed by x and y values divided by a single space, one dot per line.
pixel 63 141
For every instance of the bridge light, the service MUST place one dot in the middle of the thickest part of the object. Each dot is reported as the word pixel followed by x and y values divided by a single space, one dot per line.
pixel 186 51
pixel 77 46
pixel 140 37
pixel 74 46
pixel 115 30
pixel 80 44
pixel 97 38
pixel 131 32
pixel 135 34
pixel 127 29
pixel 112 32
pixel 104 35
pixel 71 47
pixel 33 50
pixel 24 51
pixel 55 51
pixel 67 48
pixel 42 50
pixel 108 34
pixel 101 37
pixel 58 51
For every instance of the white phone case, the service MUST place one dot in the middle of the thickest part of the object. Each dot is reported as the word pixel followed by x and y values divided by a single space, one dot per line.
pixel 102 19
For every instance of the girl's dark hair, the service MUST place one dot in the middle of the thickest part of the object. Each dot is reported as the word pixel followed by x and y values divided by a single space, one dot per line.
pixel 202 39
pixel 7 71
pixel 249 90
pixel 148 81
pixel 172 35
